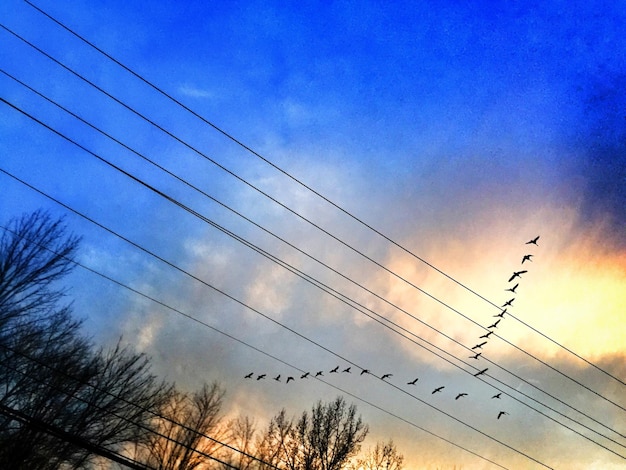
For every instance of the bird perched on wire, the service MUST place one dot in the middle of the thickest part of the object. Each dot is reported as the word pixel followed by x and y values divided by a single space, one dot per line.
pixel 533 241
pixel 526 258
pixel 517 274
pixel 386 376
pixel 481 372
pixel 460 395
pixel 438 389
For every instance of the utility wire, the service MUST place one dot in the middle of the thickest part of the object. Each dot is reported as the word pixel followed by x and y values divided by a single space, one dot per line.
pixel 243 304
pixel 307 187
pixel 327 288
pixel 295 213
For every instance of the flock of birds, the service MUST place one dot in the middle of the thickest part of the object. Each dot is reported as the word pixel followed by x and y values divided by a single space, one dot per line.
pixel 480 345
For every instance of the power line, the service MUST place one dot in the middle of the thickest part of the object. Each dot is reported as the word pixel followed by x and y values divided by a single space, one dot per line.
pixel 299 215
pixel 329 290
pixel 300 335
pixel 304 185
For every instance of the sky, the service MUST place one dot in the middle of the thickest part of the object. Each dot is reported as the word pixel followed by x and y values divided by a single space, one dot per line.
pixel 398 155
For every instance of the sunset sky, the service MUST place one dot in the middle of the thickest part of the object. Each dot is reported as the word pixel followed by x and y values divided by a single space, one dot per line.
pixel 397 155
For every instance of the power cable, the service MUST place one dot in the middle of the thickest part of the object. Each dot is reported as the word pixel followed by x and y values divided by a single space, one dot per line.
pixel 307 187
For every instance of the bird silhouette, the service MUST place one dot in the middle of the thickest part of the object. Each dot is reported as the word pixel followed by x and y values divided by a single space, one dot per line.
pixel 495 325
pixel 277 378
pixel 526 258
pixel 335 370
pixel 509 303
pixel 460 395
pixel 412 382
pixel 320 373
pixel 486 335
pixel 347 370
pixel 305 375
pixel 497 395
pixel 480 346
pixel 502 413
pixel 438 389
pixel 262 376
pixel 501 314
pixel 289 378
pixel 249 376
pixel 512 289
pixel 386 376
pixel 533 241
pixel 475 356
pixel 481 372
pixel 364 371
pixel 517 274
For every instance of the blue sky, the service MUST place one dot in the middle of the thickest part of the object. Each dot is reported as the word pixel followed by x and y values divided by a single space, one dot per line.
pixel 459 131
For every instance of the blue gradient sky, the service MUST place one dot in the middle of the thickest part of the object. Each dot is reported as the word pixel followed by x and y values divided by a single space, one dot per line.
pixel 460 131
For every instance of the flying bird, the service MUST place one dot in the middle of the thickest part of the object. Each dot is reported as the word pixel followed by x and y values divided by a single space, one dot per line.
pixel 526 258
pixel 460 395
pixel 480 346
pixel 481 372
pixel 386 376
pixel 512 289
pixel 262 376
pixel 364 371
pixel 502 413
pixel 249 376
pixel 501 314
pixel 475 356
pixel 486 335
pixel 533 241
pixel 412 382
pixel 305 375
pixel 517 274
pixel 497 395
pixel 347 370
pixel 495 325
pixel 289 378
pixel 509 303
pixel 335 370
pixel 320 373
pixel 438 389
pixel 277 378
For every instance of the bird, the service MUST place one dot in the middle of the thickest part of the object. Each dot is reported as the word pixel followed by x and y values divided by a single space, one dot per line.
pixel 364 371
pixel 509 303
pixel 495 325
pixel 460 395
pixel 335 370
pixel 305 375
pixel 347 370
pixel 289 378
pixel 526 258
pixel 497 395
pixel 249 376
pixel 512 289
pixel 320 373
pixel 481 372
pixel 501 314
pixel 475 356
pixel 386 376
pixel 277 378
pixel 486 335
pixel 533 241
pixel 480 346
pixel 262 376
pixel 412 382
pixel 438 389
pixel 517 274
pixel 502 413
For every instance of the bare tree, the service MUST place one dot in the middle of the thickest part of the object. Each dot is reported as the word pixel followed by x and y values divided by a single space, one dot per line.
pixel 324 440
pixel 240 435
pixel 384 456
